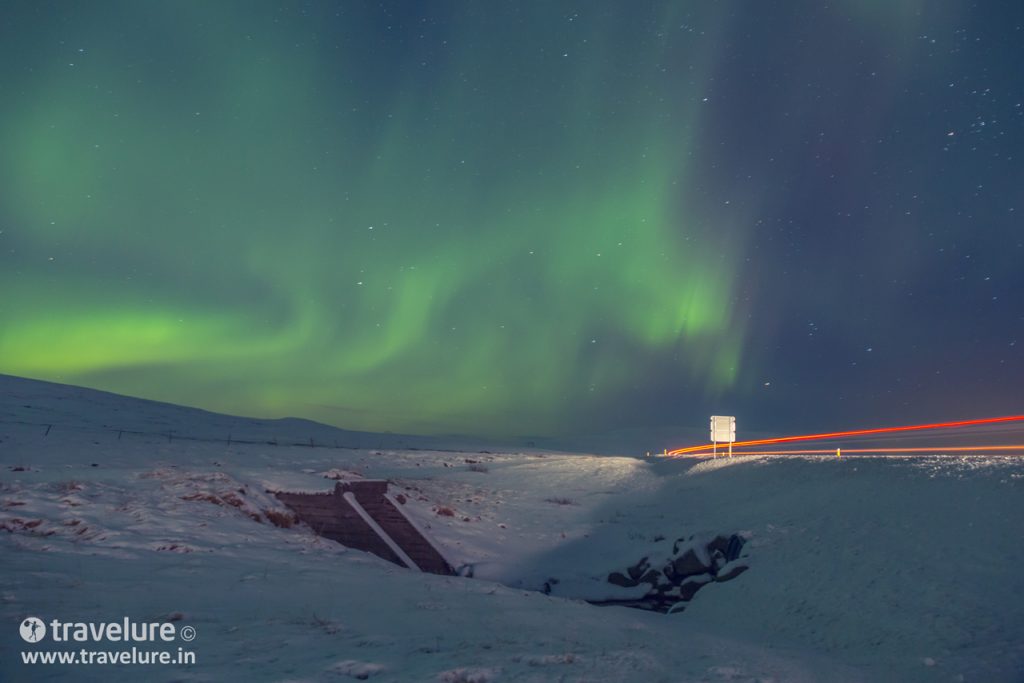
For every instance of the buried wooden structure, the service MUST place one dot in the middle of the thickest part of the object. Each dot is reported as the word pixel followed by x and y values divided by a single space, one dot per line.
pixel 362 515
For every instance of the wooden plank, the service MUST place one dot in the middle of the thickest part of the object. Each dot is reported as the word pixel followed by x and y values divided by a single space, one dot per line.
pixel 330 516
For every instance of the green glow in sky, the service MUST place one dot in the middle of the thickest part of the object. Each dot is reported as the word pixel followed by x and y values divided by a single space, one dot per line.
pixel 366 220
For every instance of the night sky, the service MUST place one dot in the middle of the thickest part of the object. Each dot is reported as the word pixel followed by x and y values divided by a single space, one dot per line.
pixel 519 218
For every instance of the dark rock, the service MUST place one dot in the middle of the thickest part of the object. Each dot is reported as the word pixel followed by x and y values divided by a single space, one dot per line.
pixel 691 563
pixel 692 584
pixel 717 561
pixel 638 569
pixel 735 546
pixel 720 543
pixel 653 577
pixel 731 571
pixel 618 579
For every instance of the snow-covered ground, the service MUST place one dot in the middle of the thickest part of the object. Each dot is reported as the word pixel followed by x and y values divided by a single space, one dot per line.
pixel 861 569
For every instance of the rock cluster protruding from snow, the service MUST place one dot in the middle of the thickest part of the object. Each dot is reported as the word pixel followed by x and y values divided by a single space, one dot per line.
pixel 693 564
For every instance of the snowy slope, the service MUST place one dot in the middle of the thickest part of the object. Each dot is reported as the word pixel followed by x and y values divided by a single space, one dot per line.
pixel 44 404
pixel 880 569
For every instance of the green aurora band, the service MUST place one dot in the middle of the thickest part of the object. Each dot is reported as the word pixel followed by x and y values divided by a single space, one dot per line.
pixel 486 225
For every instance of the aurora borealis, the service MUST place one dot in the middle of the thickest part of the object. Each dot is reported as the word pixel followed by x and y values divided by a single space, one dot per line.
pixel 517 218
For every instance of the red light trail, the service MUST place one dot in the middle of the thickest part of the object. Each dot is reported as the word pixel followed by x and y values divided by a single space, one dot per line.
pixel 855 432
pixel 948 449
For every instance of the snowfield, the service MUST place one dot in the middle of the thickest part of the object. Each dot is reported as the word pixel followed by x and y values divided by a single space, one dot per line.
pixel 860 568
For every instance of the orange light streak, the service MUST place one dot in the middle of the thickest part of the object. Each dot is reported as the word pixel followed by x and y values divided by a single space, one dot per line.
pixel 937 451
pixel 856 432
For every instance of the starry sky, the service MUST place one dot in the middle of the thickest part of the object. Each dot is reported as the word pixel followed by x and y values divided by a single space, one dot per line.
pixel 518 218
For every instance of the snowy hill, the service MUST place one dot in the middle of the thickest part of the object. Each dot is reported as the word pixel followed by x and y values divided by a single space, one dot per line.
pixel 861 569
pixel 29 402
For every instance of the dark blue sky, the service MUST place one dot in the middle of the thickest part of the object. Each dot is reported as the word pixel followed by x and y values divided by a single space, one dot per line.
pixel 528 218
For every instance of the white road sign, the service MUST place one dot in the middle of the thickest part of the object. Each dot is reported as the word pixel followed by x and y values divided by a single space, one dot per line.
pixel 723 429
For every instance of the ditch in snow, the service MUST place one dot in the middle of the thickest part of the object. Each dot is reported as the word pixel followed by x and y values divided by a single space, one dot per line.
pixel 364 516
